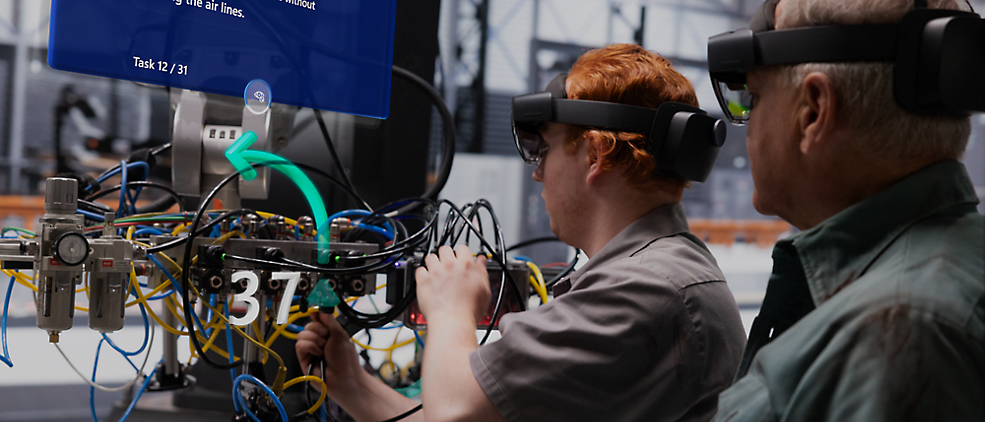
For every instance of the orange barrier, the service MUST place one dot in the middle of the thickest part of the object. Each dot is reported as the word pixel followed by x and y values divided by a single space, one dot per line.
pixel 21 211
pixel 762 233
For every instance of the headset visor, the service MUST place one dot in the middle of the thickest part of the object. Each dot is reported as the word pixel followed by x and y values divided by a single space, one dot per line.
pixel 527 113
pixel 735 99
pixel 528 142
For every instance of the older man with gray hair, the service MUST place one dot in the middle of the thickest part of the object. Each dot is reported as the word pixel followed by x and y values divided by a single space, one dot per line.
pixel 876 309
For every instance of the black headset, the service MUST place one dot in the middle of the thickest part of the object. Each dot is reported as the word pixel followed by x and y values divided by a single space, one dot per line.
pixel 683 139
pixel 938 57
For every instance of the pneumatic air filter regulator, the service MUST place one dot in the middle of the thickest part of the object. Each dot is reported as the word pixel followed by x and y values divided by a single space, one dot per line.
pixel 109 269
pixel 59 263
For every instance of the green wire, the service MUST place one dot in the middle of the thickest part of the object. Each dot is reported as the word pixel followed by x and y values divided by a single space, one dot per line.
pixel 15 229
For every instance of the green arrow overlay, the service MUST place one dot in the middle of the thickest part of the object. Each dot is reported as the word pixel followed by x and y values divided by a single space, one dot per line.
pixel 240 157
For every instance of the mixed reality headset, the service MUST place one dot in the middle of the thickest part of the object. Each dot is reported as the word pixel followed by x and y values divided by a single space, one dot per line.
pixel 938 57
pixel 683 139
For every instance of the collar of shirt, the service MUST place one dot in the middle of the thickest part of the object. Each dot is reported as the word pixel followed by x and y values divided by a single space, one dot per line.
pixel 840 249
pixel 665 221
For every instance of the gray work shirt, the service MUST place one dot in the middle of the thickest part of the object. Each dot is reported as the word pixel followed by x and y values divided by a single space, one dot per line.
pixel 648 331
pixel 898 333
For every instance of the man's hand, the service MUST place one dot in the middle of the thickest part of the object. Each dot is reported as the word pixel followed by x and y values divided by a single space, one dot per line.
pixel 453 285
pixel 362 396
pixel 325 339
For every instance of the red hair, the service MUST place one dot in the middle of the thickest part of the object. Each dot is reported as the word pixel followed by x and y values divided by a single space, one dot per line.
pixel 625 74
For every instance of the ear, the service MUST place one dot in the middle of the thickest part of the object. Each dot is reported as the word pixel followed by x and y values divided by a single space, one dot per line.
pixel 596 167
pixel 816 117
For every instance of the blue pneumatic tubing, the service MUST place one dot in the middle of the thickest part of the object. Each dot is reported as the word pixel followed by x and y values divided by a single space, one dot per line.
pixel 147 230
pixel 121 210
pixel 5 357
pixel 360 213
pixel 92 390
pixel 372 228
pixel 176 286
pixel 116 171
pixel 237 397
pixel 139 393
pixel 229 342
pixel 143 313
pixel 90 215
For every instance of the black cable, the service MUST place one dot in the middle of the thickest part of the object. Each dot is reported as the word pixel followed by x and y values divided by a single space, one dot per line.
pixel 362 320
pixel 500 244
pixel 448 155
pixel 283 263
pixel 186 283
pixel 533 241
pixel 94 207
pixel 307 394
pixel 161 204
pixel 571 267
pixel 241 211
pixel 498 256
pixel 404 415
pixel 330 178
pixel 411 241
pixel 335 157
pixel 141 183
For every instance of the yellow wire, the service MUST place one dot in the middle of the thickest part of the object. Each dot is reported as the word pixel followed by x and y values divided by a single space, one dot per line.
pixel 281 371
pixel 208 342
pixel 170 302
pixel 215 334
pixel 355 298
pixel 156 290
pixel 312 378
pixel 23 280
pixel 226 236
pixel 537 281
pixel 286 220
pixel 150 310
pixel 86 286
pixel 290 320
pixel 18 278
pixel 389 353
pixel 179 228
pixel 259 334
pixel 394 347
pixel 178 311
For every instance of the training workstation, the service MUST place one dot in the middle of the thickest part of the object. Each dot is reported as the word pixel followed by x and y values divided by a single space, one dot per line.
pixel 197 180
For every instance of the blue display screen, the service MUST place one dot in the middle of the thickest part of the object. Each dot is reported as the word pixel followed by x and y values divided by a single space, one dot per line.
pixel 329 54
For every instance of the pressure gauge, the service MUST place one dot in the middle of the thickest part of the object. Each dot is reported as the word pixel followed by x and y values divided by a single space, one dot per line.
pixel 70 248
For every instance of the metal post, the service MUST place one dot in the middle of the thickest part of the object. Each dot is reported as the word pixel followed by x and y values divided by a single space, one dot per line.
pixel 17 103
pixel 479 83
pixel 171 365
pixel 448 43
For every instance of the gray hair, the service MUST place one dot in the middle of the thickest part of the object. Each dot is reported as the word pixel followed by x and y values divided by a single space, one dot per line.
pixel 865 90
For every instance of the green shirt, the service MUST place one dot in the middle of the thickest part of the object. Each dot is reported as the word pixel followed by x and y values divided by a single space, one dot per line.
pixel 896 333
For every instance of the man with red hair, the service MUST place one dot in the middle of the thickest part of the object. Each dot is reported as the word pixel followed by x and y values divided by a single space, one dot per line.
pixel 646 330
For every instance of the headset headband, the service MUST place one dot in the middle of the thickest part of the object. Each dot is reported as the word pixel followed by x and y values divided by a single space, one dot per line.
pixel 683 139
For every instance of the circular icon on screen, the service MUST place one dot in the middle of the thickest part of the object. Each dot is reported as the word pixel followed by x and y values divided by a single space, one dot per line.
pixel 257 96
